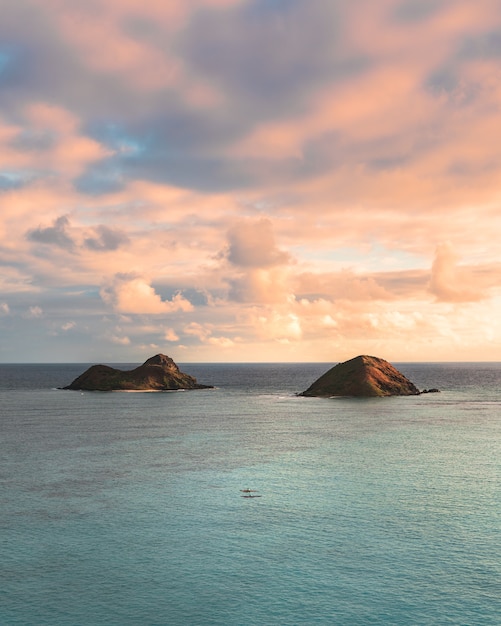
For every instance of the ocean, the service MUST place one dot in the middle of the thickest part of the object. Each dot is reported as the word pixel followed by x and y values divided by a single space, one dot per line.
pixel 127 508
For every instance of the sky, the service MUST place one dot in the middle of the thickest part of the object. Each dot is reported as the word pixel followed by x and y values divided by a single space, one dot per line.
pixel 250 180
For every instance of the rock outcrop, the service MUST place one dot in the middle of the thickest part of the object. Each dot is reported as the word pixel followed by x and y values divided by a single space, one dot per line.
pixel 159 373
pixel 363 376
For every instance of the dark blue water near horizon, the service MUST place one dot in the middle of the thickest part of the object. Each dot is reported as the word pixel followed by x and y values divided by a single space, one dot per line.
pixel 126 508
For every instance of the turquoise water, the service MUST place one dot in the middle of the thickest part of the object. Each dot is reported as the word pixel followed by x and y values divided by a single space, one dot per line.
pixel 125 508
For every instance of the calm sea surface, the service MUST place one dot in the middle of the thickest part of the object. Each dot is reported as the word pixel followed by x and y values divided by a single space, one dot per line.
pixel 125 508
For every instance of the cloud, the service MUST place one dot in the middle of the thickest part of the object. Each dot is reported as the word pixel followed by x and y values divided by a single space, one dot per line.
pixel 259 267
pixel 271 55
pixel 295 89
pixel 450 282
pixel 180 141
pixel 221 342
pixel 195 329
pixel 277 175
pixel 4 308
pixel 345 284
pixel 134 295
pixel 171 335
pixel 119 340
pixel 106 239
pixel 34 312
pixel 252 245
pixel 277 326
pixel 203 332
pixel 260 285
pixel 14 180
pixel 53 235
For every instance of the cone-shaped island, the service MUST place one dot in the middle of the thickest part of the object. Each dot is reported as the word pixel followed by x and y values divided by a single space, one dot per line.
pixel 363 376
pixel 159 373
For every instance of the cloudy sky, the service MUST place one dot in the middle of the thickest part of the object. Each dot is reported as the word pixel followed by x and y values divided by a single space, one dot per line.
pixel 250 180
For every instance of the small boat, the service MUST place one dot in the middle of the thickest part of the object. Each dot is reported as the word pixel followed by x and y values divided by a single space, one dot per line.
pixel 250 493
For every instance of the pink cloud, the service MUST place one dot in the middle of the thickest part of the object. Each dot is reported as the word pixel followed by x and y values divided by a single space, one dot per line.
pixel 67 151
pixel 451 282
pixel 134 295
pixel 131 39
pixel 221 342
pixel 304 217
pixel 341 285
pixel 266 286
pixel 201 331
pixel 276 325
pixel 118 339
pixel 171 335
pixel 252 245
